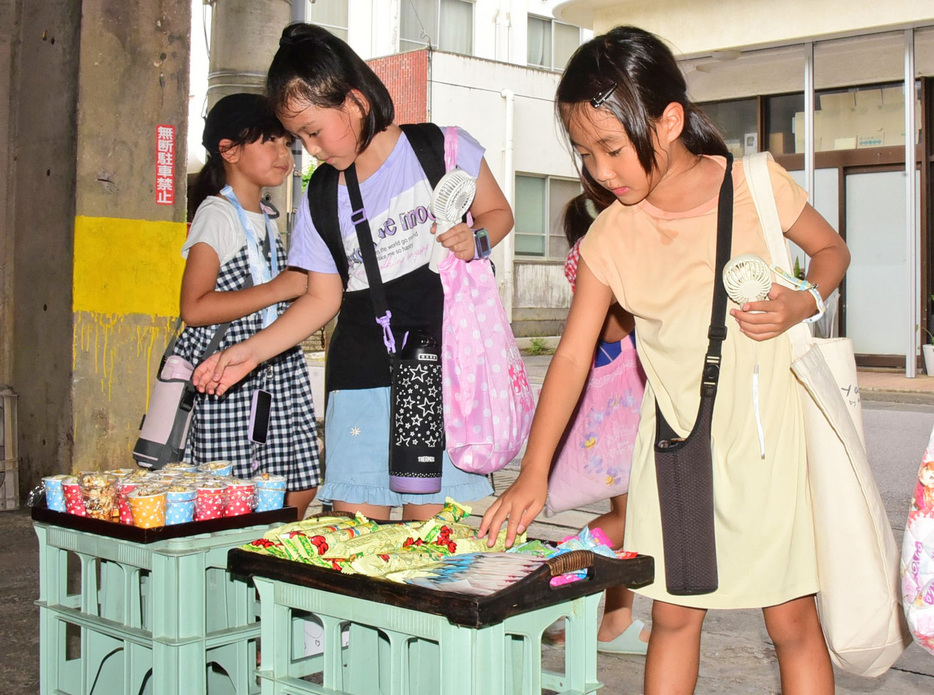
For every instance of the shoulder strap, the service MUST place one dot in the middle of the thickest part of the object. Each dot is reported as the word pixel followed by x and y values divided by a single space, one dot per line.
pixel 427 140
pixel 322 204
pixel 756 167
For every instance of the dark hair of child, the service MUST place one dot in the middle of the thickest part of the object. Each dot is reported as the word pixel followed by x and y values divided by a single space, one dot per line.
pixel 315 67
pixel 241 118
pixel 635 75
pixel 579 214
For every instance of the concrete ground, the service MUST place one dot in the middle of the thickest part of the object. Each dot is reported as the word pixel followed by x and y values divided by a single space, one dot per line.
pixel 736 657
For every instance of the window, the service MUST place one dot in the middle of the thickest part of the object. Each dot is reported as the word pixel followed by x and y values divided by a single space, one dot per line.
pixel 540 203
pixel 444 24
pixel 551 43
pixel 330 14
pixel 737 122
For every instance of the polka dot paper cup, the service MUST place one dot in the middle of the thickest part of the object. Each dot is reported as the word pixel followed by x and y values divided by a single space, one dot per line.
pixel 180 505
pixel 124 488
pixel 241 498
pixel 74 500
pixel 270 492
pixel 210 501
pixel 54 494
pixel 180 466
pixel 147 507
pixel 219 468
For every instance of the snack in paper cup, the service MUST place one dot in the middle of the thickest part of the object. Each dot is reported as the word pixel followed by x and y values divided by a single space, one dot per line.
pixel 210 500
pixel 74 500
pixel 125 487
pixel 180 504
pixel 241 497
pixel 219 468
pixel 100 495
pixel 180 466
pixel 270 492
pixel 54 494
pixel 148 507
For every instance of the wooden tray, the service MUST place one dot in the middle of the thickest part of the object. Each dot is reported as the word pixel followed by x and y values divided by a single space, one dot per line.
pixel 163 533
pixel 530 593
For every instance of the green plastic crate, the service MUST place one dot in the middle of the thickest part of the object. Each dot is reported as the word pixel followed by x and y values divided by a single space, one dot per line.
pixel 165 617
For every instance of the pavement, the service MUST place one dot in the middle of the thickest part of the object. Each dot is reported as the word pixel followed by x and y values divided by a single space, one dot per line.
pixel 736 653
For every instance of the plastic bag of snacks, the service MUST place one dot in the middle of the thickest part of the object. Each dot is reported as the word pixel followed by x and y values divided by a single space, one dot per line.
pixel 100 495
pixel 917 563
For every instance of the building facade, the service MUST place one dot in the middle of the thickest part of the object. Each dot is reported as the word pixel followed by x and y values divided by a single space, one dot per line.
pixel 830 89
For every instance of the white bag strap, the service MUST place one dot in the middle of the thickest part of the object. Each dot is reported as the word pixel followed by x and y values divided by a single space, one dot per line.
pixel 756 168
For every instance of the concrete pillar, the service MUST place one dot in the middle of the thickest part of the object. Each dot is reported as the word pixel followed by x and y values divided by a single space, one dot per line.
pixel 244 39
pixel 92 218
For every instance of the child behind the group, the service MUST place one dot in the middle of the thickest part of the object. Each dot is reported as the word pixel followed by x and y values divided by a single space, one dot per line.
pixel 619 633
pixel 622 101
pixel 343 114
pixel 233 254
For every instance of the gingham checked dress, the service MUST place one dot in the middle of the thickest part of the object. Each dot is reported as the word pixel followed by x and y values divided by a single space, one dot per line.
pixel 219 425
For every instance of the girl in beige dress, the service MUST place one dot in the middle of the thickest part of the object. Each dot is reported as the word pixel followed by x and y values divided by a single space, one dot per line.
pixel 645 147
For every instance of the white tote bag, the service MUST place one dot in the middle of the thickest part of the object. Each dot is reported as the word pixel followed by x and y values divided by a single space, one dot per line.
pixel 857 558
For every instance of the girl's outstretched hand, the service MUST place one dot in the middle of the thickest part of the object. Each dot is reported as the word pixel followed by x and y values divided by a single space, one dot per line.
pixel 518 506
pixel 773 316
pixel 223 369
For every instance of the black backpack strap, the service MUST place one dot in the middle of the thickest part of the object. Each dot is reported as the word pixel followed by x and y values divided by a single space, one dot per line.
pixel 427 140
pixel 322 204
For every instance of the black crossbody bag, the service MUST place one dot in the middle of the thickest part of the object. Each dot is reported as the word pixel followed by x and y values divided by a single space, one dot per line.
pixel 684 467
pixel 416 427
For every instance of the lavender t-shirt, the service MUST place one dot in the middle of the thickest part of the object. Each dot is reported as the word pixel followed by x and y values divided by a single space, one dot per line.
pixel 397 198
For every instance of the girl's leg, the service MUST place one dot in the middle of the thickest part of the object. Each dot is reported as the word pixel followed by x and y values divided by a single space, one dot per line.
pixel 300 499
pixel 420 512
pixel 803 660
pixel 617 606
pixel 371 511
pixel 674 649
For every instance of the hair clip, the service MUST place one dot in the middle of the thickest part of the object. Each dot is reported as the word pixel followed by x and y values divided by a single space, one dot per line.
pixel 601 98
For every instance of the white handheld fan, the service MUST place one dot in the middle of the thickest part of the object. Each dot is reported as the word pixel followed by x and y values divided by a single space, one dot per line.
pixel 747 278
pixel 450 201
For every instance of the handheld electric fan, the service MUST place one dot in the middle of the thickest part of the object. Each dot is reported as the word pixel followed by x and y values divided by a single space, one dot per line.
pixel 449 203
pixel 747 278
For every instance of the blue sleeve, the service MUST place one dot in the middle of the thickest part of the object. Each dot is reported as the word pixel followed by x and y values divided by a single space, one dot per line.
pixel 308 250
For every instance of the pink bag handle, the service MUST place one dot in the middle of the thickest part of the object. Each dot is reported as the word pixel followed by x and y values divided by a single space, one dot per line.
pixel 450 147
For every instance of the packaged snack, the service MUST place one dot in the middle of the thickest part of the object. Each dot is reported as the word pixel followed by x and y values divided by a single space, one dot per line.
pixel 74 500
pixel 270 492
pixel 180 504
pixel 100 495
pixel 54 494
pixel 219 468
pixel 147 506
pixel 210 500
pixel 241 497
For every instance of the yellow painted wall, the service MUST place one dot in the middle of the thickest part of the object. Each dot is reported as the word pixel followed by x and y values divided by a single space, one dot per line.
pixel 127 276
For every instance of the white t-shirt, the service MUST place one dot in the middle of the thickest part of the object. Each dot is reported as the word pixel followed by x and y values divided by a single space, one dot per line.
pixel 217 224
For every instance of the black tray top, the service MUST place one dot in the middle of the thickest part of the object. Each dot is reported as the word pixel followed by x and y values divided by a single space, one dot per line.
pixel 124 532
pixel 528 594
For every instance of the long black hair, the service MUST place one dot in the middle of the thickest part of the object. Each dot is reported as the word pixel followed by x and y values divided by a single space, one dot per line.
pixel 241 118
pixel 579 214
pixel 314 66
pixel 634 75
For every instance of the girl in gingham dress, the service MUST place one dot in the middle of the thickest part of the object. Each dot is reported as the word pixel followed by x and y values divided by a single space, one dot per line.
pixel 230 275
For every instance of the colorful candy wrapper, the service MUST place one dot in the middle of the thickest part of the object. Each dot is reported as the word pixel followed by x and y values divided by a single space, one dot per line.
pixel 54 494
pixel 381 541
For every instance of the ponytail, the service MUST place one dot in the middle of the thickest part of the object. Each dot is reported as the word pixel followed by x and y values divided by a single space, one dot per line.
pixel 211 179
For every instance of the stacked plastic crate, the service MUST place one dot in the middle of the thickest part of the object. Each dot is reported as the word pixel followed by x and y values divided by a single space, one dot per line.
pixel 166 618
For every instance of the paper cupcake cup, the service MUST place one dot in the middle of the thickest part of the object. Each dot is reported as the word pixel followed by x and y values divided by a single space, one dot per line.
pixel 270 492
pixel 74 500
pixel 54 494
pixel 241 498
pixel 210 503
pixel 218 468
pixel 147 507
